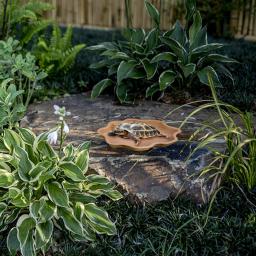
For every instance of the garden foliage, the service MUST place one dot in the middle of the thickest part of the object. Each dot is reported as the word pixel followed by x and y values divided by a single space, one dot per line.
pixel 20 67
pixel 57 54
pixel 41 189
pixel 175 58
pixel 22 18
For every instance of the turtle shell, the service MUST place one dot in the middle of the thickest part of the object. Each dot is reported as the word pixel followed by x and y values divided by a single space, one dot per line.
pixel 139 130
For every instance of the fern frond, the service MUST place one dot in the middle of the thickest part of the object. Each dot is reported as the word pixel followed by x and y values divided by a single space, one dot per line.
pixel 20 14
pixel 69 57
pixel 56 37
pixel 36 27
pixel 66 40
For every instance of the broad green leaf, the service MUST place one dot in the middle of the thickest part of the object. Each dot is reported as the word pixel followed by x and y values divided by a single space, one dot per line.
pixel 113 194
pixel 100 87
pixel 153 12
pixel 195 27
pixel 150 68
pixel 151 90
pixel 120 56
pixel 28 248
pixel 27 135
pixel 166 79
pixel 122 92
pixel 219 67
pixel 99 219
pixel 187 69
pixel 190 9
pixel 24 225
pixel 178 34
pixel 176 47
pixel 206 48
pixel 138 35
pixel 43 233
pixel 203 76
pixel 200 39
pixel 3 207
pixel 70 221
pixel 102 47
pixel 84 146
pixel 84 198
pixel 11 140
pixel 46 149
pixel 165 56
pixel 82 160
pixel 6 179
pixel 152 39
pixel 124 68
pixel 36 172
pixel 13 243
pixel 72 171
pixel 99 64
pixel 220 58
pixel 57 194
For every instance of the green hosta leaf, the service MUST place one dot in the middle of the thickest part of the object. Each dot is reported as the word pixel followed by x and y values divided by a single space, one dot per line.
pixel 187 69
pixel 6 179
pixel 195 27
pixel 206 48
pixel 11 140
pixel 100 87
pixel 113 194
pixel 25 226
pixel 43 233
pixel 220 58
pixel 200 39
pixel 42 210
pixel 57 194
pixel 178 34
pixel 176 47
pixel 150 68
pixel 100 64
pixel 99 219
pixel 70 221
pixel 82 160
pixel 84 198
pixel 25 165
pixel 45 149
pixel 102 47
pixel 166 79
pixel 219 67
pixel 13 243
pixel 27 135
pixel 137 35
pixel 3 207
pixel 122 92
pixel 120 56
pixel 72 171
pixel 203 76
pixel 128 70
pixel 5 158
pixel 152 39
pixel 165 56
pixel 153 12
pixel 151 90
pixel 36 172
pixel 190 9
pixel 84 146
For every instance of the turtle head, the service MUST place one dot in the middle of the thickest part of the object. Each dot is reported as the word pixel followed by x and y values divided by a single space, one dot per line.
pixel 117 132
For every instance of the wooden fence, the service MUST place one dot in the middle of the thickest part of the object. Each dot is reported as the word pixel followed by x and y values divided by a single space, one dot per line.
pixel 112 14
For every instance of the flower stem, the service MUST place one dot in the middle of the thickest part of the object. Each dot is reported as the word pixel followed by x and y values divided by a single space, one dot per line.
pixel 61 137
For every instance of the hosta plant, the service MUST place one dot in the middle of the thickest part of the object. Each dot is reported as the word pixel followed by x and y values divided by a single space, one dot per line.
pixel 148 62
pixel 42 190
pixel 128 62
pixel 11 110
pixel 20 67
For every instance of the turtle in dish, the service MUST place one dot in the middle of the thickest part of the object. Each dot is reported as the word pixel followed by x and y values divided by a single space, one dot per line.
pixel 136 131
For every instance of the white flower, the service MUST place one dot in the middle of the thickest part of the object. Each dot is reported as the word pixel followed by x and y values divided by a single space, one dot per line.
pixel 65 128
pixel 53 137
pixel 57 109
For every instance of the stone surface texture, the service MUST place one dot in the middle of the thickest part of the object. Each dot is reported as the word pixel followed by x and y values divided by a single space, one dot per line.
pixel 146 177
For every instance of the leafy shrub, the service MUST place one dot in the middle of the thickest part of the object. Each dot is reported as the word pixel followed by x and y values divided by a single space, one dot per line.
pixel 22 69
pixel 28 16
pixel 11 110
pixel 177 57
pixel 57 54
pixel 40 190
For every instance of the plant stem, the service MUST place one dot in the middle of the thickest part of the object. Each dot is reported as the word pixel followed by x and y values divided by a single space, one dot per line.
pixel 4 19
pixel 61 137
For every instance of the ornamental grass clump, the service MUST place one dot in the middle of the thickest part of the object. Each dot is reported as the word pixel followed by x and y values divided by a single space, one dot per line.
pixel 236 160
pixel 42 190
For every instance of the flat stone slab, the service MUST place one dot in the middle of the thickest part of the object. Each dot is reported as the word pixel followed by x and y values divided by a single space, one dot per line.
pixel 146 177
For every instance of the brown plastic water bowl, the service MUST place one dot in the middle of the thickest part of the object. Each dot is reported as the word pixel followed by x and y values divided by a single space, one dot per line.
pixel 144 144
